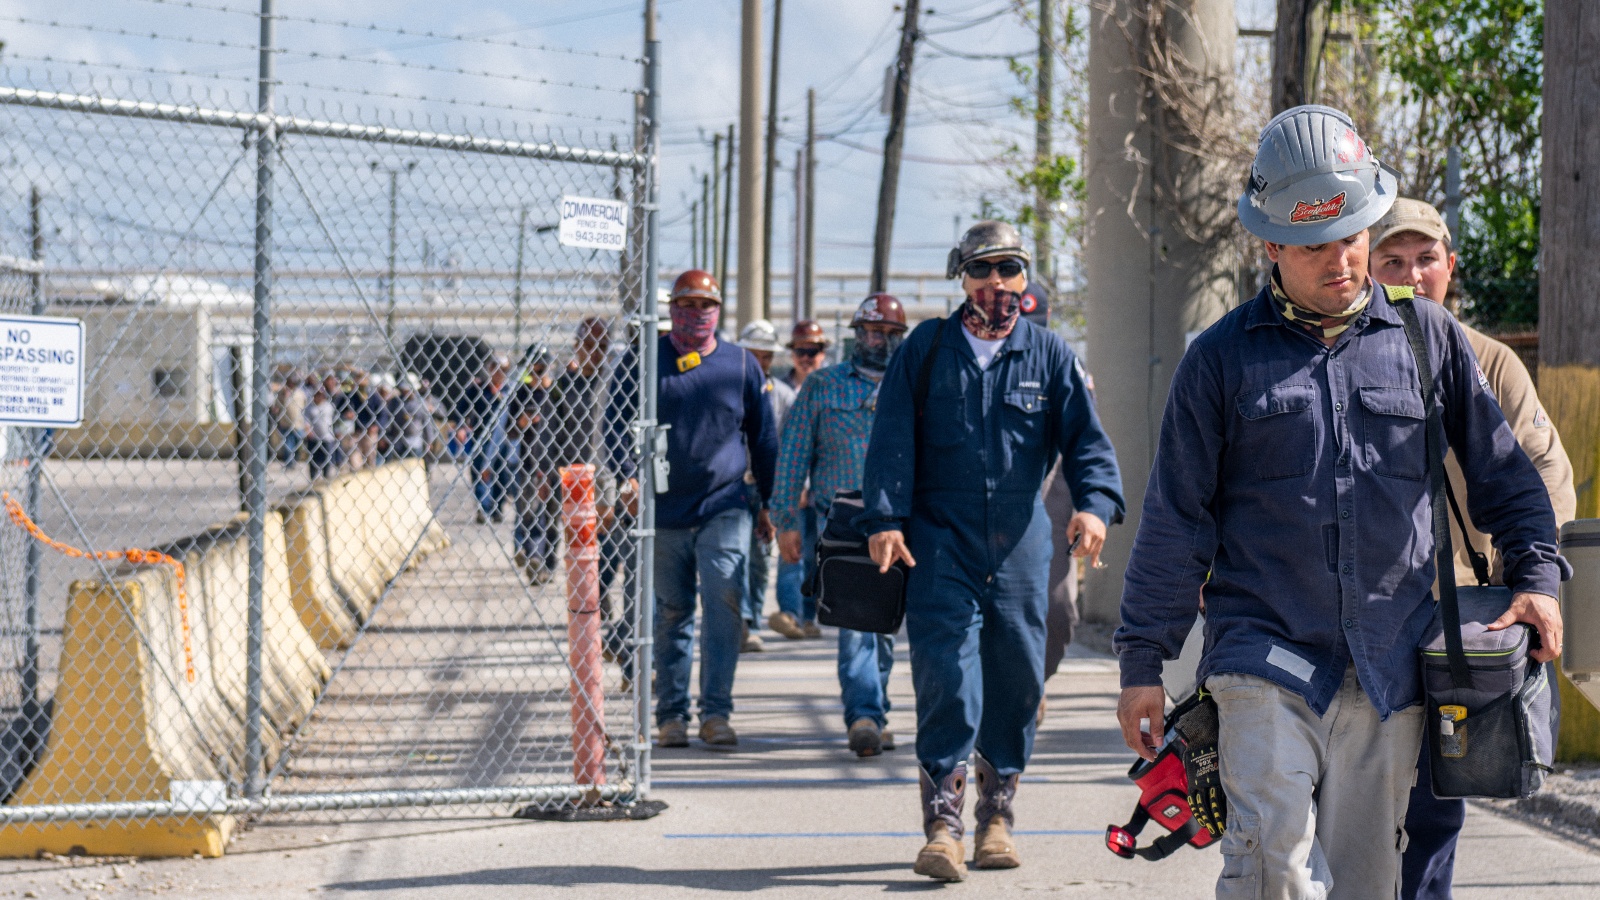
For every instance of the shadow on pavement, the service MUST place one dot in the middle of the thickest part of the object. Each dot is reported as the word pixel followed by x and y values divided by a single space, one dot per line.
pixel 707 879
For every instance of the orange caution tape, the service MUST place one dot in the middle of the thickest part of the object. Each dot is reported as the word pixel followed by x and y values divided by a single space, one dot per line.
pixel 134 556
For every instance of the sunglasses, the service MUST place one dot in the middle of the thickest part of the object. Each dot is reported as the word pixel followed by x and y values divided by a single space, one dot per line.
pixel 808 351
pixel 1008 268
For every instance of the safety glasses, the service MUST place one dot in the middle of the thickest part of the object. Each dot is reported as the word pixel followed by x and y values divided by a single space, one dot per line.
pixel 1008 268
pixel 808 352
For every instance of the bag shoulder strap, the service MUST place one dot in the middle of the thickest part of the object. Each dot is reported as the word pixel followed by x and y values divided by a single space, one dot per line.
pixel 1439 486
pixel 1480 562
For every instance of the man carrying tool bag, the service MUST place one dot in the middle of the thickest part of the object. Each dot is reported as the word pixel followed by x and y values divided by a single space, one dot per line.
pixel 1293 467
pixel 954 493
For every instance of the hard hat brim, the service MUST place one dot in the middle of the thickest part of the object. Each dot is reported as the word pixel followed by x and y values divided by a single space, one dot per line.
pixel 1256 220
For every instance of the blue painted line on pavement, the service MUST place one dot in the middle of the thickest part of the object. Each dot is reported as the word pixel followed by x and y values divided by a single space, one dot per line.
pixel 769 835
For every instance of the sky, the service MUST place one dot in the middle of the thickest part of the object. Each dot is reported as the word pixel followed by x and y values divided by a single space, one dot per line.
pixel 959 116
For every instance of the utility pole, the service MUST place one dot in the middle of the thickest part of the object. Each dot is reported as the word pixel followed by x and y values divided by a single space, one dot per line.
pixel 1043 261
pixel 394 190
pixel 717 268
pixel 516 290
pixel 808 289
pixel 772 164
pixel 797 302
pixel 752 215
pixel 694 235
pixel 1569 317
pixel 893 143
pixel 1298 40
pixel 727 215
pixel 707 211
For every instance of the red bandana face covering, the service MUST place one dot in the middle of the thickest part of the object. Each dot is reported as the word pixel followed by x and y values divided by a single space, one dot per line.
pixel 991 313
pixel 694 330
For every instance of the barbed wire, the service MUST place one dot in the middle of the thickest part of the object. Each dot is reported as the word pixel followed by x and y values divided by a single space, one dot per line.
pixel 373 27
pixel 342 56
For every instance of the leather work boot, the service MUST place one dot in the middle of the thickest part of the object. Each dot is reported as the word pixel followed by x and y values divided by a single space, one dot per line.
pixel 673 733
pixel 716 732
pixel 784 624
pixel 993 847
pixel 811 630
pixel 865 738
pixel 943 857
pixel 886 739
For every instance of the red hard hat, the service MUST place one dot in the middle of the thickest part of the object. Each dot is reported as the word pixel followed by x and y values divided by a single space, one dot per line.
pixel 697 283
pixel 807 331
pixel 884 308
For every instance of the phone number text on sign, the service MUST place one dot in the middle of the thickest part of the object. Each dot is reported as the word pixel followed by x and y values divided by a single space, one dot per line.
pixel 594 223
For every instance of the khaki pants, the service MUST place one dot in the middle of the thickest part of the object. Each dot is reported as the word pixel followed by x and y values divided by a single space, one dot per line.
pixel 1316 806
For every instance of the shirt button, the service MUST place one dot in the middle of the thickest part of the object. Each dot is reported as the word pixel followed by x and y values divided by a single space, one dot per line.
pixel 1349 623
pixel 1344 514
pixel 1338 407
pixel 989 580
pixel 1347 568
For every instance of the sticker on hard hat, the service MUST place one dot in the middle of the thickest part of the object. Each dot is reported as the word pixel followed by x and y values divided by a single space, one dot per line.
pixel 1317 210
pixel 1030 303
pixel 869 312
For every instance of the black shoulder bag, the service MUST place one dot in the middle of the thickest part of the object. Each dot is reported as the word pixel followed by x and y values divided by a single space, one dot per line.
pixel 851 592
pixel 1490 720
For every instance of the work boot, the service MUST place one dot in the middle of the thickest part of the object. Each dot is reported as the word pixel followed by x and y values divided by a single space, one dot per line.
pixel 993 847
pixel 811 630
pixel 943 857
pixel 886 739
pixel 751 642
pixel 672 733
pixel 784 624
pixel 716 732
pixel 865 738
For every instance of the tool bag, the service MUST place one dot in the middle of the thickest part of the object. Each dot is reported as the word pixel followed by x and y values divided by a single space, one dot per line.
pixel 1490 719
pixel 1163 799
pixel 851 592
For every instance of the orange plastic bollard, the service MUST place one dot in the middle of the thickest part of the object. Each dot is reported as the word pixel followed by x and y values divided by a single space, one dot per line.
pixel 583 624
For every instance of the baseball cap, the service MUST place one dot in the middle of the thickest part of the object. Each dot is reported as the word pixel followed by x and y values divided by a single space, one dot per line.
pixel 1410 215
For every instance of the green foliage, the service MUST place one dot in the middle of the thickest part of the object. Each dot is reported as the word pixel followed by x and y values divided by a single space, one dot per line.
pixel 1498 261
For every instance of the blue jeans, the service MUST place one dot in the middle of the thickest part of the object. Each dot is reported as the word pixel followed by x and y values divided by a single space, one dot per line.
pixel 865 661
pixel 715 551
pixel 617 556
pixel 537 532
pixel 500 461
pixel 791 575
pixel 755 595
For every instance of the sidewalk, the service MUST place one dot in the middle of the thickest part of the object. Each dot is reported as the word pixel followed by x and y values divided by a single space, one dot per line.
pixel 790 814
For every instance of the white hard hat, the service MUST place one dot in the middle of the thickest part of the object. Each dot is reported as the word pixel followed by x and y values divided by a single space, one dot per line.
pixel 1314 180
pixel 760 335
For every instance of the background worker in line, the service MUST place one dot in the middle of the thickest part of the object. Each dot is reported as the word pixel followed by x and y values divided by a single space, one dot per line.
pixel 712 396
pixel 951 487
pixel 1292 467
pixel 1411 248
pixel 796 618
pixel 824 445
pixel 761 339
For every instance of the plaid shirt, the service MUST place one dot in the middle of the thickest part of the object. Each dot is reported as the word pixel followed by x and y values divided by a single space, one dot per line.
pixel 824 441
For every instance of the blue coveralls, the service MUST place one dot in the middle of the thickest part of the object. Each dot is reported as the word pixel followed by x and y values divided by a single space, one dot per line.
pixel 969 503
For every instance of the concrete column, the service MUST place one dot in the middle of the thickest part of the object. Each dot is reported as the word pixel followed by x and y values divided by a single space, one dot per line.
pixel 1150 287
pixel 752 304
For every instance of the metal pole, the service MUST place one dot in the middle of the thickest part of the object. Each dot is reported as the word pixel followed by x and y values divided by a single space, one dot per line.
pixel 516 290
pixel 717 217
pixel 727 215
pixel 644 606
pixel 893 143
pixel 1044 263
pixel 1452 193
pixel 388 319
pixel 771 156
pixel 752 302
pixel 707 216
pixel 38 446
pixel 797 286
pixel 256 496
pixel 809 289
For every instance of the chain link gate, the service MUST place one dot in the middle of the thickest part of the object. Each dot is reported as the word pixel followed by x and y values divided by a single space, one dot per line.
pixel 377 597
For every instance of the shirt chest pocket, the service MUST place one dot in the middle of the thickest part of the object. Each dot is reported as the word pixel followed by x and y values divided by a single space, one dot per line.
pixel 1279 431
pixel 1392 425
pixel 1025 412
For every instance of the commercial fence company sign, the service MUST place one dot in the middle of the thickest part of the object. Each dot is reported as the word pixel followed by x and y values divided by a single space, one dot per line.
pixel 594 223
pixel 41 371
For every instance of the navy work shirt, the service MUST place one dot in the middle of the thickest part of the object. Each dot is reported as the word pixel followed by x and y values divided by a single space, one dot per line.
pixel 1296 475
pixel 987 437
pixel 716 410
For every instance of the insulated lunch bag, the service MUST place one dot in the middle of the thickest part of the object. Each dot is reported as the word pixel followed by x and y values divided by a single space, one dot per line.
pixel 850 591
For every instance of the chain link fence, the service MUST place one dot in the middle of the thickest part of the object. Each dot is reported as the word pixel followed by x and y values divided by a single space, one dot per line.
pixel 359 581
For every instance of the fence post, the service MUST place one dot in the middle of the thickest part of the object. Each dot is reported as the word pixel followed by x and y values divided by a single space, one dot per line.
pixel 38 446
pixel 644 634
pixel 256 475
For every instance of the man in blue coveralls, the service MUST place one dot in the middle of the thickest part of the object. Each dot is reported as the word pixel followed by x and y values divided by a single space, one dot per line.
pixel 972 413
